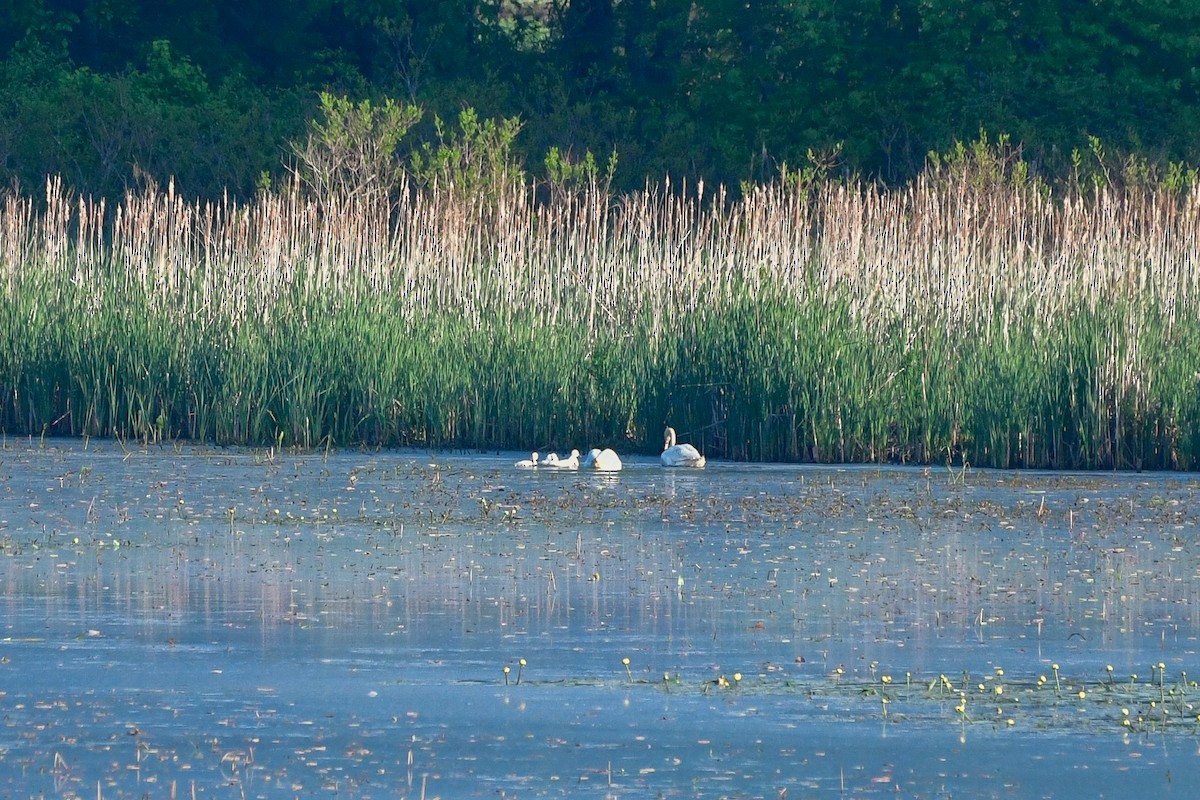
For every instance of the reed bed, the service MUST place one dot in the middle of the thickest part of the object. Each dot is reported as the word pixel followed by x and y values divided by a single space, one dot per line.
pixel 942 321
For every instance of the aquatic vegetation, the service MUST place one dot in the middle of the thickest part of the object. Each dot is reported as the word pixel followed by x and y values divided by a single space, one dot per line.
pixel 943 322
pixel 1087 707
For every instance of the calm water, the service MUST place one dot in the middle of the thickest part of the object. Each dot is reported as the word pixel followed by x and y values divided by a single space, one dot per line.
pixel 235 623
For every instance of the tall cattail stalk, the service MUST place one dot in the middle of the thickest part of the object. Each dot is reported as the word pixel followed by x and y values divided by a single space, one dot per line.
pixel 994 324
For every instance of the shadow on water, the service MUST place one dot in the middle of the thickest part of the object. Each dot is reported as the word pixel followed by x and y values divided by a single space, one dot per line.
pixel 245 623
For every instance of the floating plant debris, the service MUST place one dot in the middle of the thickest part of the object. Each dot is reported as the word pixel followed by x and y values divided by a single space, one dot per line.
pixel 228 621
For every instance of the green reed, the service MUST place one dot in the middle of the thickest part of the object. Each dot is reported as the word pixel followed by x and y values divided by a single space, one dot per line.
pixel 932 324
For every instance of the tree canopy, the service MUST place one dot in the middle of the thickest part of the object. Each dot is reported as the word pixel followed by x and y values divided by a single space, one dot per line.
pixel 217 93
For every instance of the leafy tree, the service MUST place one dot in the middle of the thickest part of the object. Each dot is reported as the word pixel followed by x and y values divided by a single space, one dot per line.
pixel 566 176
pixel 212 91
pixel 351 152
pixel 588 33
pixel 475 161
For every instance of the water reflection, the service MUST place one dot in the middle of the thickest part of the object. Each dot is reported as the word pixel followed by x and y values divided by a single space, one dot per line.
pixel 388 589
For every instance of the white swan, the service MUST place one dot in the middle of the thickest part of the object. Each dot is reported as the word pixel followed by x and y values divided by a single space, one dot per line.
pixel 528 463
pixel 570 462
pixel 679 455
pixel 550 460
pixel 605 460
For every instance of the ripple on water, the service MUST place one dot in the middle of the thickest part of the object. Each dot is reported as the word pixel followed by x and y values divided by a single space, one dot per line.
pixel 295 625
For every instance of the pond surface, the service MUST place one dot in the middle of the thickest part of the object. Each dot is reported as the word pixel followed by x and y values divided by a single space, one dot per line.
pixel 180 622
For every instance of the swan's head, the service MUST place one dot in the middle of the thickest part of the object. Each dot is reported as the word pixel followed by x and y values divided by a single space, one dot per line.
pixel 668 438
pixel 534 457
pixel 574 454
pixel 592 455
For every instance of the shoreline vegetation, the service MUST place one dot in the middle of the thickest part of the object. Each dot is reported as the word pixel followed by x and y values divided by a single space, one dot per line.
pixel 971 317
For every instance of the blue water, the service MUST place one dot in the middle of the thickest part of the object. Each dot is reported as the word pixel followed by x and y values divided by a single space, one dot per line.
pixel 231 623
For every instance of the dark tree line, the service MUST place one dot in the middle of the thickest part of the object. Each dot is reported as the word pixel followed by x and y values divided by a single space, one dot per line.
pixel 212 92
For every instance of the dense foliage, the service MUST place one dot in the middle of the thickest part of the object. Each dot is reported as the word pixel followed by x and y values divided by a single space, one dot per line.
pixel 215 92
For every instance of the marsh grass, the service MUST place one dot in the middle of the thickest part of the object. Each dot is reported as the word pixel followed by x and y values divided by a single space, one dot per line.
pixel 946 321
